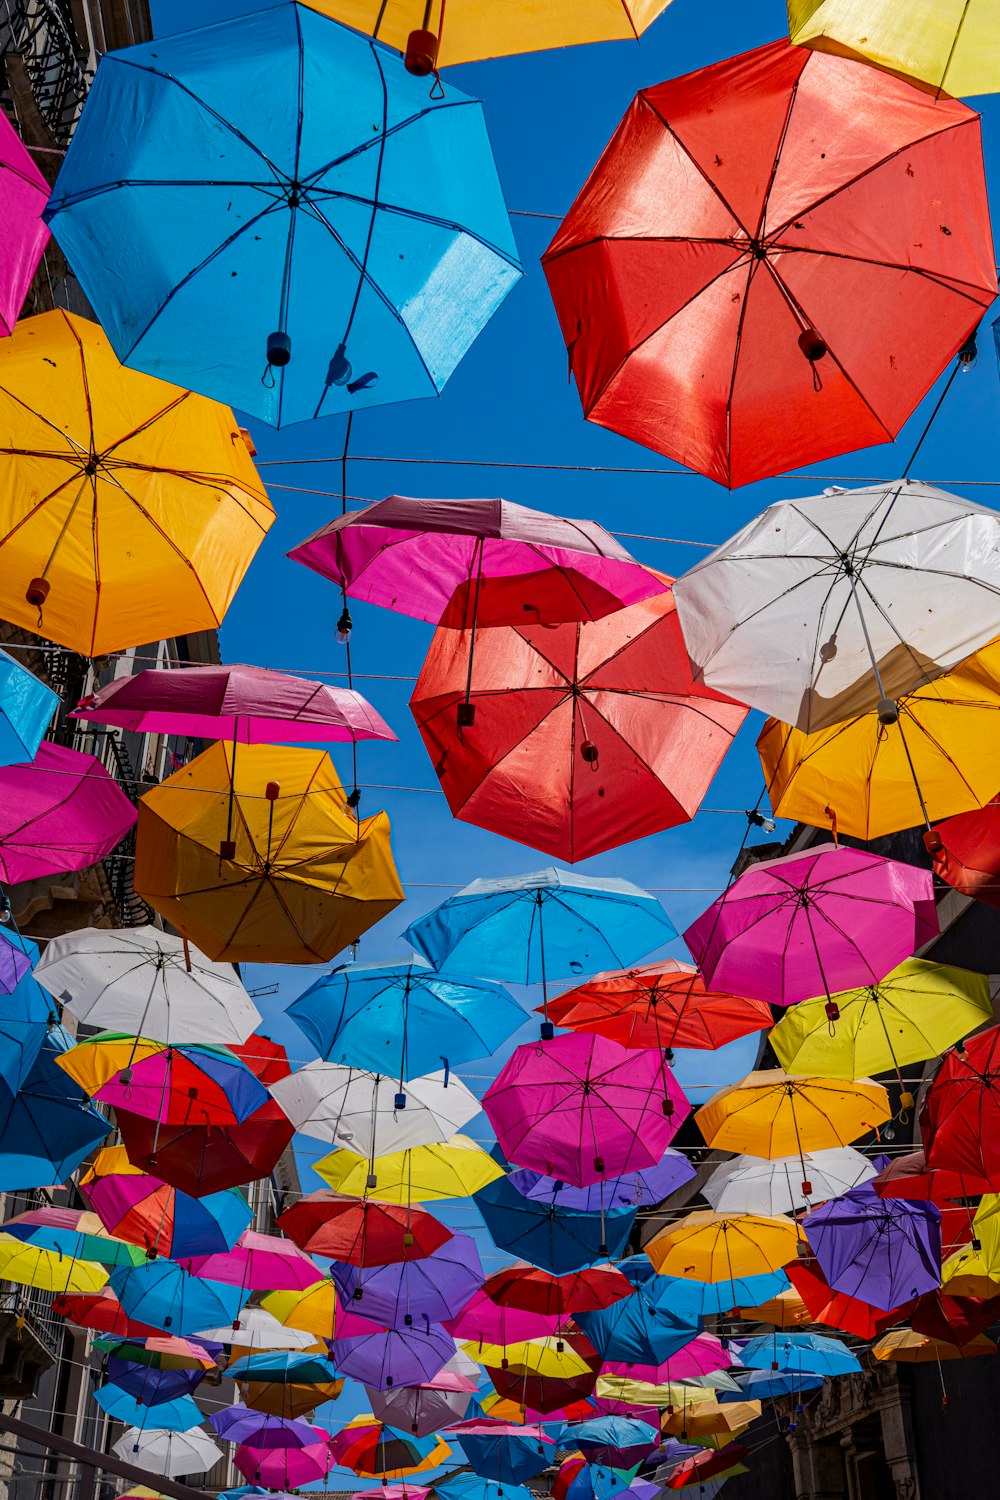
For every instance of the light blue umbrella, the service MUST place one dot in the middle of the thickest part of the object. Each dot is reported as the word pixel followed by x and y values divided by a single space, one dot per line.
pixel 638 1329
pixel 168 1416
pixel 475 1487
pixel 705 1297
pixel 612 1441
pixel 26 1015
pixel 285 1365
pixel 48 1126
pixel 555 1239
pixel 26 709
pixel 298 229
pixel 759 1385
pixel 404 1019
pixel 799 1354
pixel 163 1295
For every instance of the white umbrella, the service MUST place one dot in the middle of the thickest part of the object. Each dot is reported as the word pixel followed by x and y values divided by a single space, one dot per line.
pixel 750 1185
pixel 147 983
pixel 168 1453
pixel 257 1329
pixel 360 1110
pixel 826 608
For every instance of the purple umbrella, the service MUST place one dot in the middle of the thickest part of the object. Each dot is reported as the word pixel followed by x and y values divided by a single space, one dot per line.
pixel 883 1251
pixel 633 1190
pixel 14 964
pixel 240 1424
pixel 433 1288
pixel 59 813
pixel 392 1357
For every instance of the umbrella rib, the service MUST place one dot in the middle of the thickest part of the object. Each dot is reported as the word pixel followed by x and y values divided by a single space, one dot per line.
pixel 947 283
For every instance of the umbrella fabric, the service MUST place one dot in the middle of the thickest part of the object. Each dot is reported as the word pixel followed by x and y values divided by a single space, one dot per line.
pixel 876 778
pixel 701 1467
pixel 25 1017
pixel 506 1456
pixel 161 1352
pixel 885 1251
pixel 585 736
pixel 909 1176
pixel 152 1387
pixel 773 1114
pixel 383 225
pixel 746 1184
pixel 261 1262
pixel 476 1487
pixel 434 1287
pixel 181 1414
pixel 286 1467
pixel 849 573
pixel 952 49
pixel 162 1294
pixel 961 1109
pixel 47 1270
pixel 135 516
pixel 204 1160
pixel 581 1108
pixel 174 1085
pixel 457 1168
pixel 315 1311
pixel 954 1320
pixel 528 928
pixel 665 1004
pixel 145 1211
pixel 102 1311
pixel 709 1418
pixel 420 1409
pixel 837 1309
pixel 168 1453
pixel 394 1492
pixel 26 703
pixel 369 1447
pixel 61 812
pixel 251 705
pixel 762 264
pixel 811 924
pixel 702 1355
pixel 306 878
pixel 637 1331
pixel 556 1240
pixel 387 1358
pixel 630 1190
pixel 47 1127
pixel 73 1233
pixel 527 1288
pixel 700 1298
pixel 761 1385
pixel 404 1019
pixel 284 1398
pixel 284 1367
pixel 969 856
pixel 24 193
pixel 907 1347
pixel 238 1424
pixel 357 1110
pixel 148 982
pixel 360 1233
pixel 256 1329
pixel 786 1310
pixel 547 1393
pixel 799 1354
pixel 714 1247
pixel 469 563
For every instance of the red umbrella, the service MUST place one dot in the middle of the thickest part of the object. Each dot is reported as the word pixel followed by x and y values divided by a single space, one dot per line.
pixel 266 1059
pixel 953 1320
pixel 586 736
pixel 773 260
pixel 836 1309
pixel 532 1290
pixel 201 1159
pixel 361 1232
pixel 548 1393
pixel 663 1005
pixel 969 854
pixel 960 1115
pixel 702 1466
pixel 103 1312
pixel 909 1176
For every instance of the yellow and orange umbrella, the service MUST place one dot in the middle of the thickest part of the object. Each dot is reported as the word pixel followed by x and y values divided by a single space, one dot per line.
pixel 774 1113
pixel 706 1246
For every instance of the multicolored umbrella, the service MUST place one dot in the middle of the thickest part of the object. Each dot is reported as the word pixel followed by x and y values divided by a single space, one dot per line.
pixel 761 262
pixel 362 1233
pixel 952 49
pixel 702 1355
pixel 61 812
pixel 505 1453
pixel 188 1084
pixel 554 1239
pixel 74 1233
pixel 145 1211
pixel 635 1331
pixel 370 1447
pixel 884 1251
pixel 358 1110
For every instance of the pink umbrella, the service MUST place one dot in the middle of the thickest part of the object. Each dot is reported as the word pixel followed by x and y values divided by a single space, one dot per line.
pixel 484 1320
pixel 260 1262
pixel 393 1492
pixel 581 1108
pixel 23 194
pixel 702 1356
pixel 59 812
pixel 286 1468
pixel 813 924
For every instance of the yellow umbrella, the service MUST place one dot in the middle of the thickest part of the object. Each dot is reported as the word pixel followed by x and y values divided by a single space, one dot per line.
pixel 313 1311
pixel 907 1347
pixel 912 1014
pixel 550 1356
pixel 129 509
pixel 786 1310
pixel 867 778
pixel 625 1389
pixel 952 46
pixel 706 1246
pixel 457 1168
pixel 774 1114
pixel 47 1270
pixel 457 31
pixel 708 1418
pixel 965 1274
pixel 986 1230
pixel 306 878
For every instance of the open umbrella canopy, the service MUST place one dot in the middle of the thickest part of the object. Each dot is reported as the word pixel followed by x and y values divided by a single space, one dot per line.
pixel 811 924
pixel 762 263
pixel 360 1232
pixel 27 1264
pixel 909 1176
pixel 286 1398
pixel 635 1189
pixel 708 1246
pixel 261 1262
pixel 136 515
pixel 786 1310
pixel 163 1294
pixel 283 1367
pixel 48 1127
pixel 554 1239
pixel 637 1331
pixel 696 1298
pixel 286 1468
pixel 26 703
pixel 404 1019
pixel 701 1468
pixel 799 1354
pixel 240 1424
pixel 168 1453
pixel 202 1160
pixel 25 1014
pixel 908 1347
pixel 773 1113
pixel 359 1111
pixel 456 1168
pixel 953 49
pixel 180 1414
pixel 185 1084
pixel 505 1454
pixel 150 1386
pixel 305 877
pixel 433 1287
pixel 960 1111
pixel 103 1312
pixel 257 1329
pixel 704 1419
pixel 529 1289
pixel 387 1358
pixel 750 1185
pixel 77 1234
pixel 147 982
pixel 371 1447
pixel 421 1409
pixel 145 1211
pixel 581 1107
pixel 390 207
pixel 62 811
pixel 969 856
pixel 162 1353
pixel 884 1251
pixel 24 193
pixel 702 1355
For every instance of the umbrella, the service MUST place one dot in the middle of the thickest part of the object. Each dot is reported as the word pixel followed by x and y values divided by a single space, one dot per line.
pixel 267 1060
pixel 306 879
pixel 151 1387
pixel 774 1114
pixel 26 704
pixel 909 1176
pixel 915 1012
pixel 969 854
pixel 693 1298
pixel 371 1113
pixel 955 1320
pixel 370 1447
pixel 61 812
pixel 475 1487
pixel 529 1289
pixel 838 1310
pixel 907 1347
pixel 630 1190
pixel 286 1467
pixel 799 1354
pixel 749 1185
pixel 848 572
pixel 708 1246
pixel 554 1239
pixel 424 1408
pixel 952 49
pixel 180 1414
pixel 202 1160
pixel 433 1287
pixel 456 1169
pixel 148 1212
pixel 404 1019
pixel 262 1262
pixel 472 563
pixel 502 1452
pixel 614 1442
pixel 811 924
pixel 256 1329
pixel 663 1005
pixel 762 273
pixel 27 1264
pixel 24 193
pixel 186 1084
pixel 164 1295
pixel 136 515
pixel 363 1233
pixel 101 1310
pixel 961 1109
pixel 635 1331
pixel 786 1310
pixel 168 1453
pixel 394 1492
pixel 581 1108
pixel 583 736
pixel 73 1233
pixel 286 1398
pixel 240 1424
pixel 551 1356
pixel 546 1394
pixel 700 1467
pixel 868 778
pixel 161 1352
pixel 702 1355
pixel 148 982
pixel 47 1127
pixel 761 1385
pixel 885 1251
pixel 708 1418
pixel 402 245
pixel 388 1358
pixel 25 1016
pixel 282 1367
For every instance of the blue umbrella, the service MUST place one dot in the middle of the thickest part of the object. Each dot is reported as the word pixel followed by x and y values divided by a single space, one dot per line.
pixel 163 1295
pixel 506 1458
pixel 799 1354
pixel 169 1416
pixel 475 1487
pixel 404 1019
pixel 26 708
pixel 26 1015
pixel 285 1365
pixel 761 1384
pixel 554 1239
pixel 633 1190
pixel 209 1225
pixel 701 1298
pixel 289 261
pixel 48 1126
pixel 637 1330
pixel 150 1386
pixel 612 1440
pixel 595 1482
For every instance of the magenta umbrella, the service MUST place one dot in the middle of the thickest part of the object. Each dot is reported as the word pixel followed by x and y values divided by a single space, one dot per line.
pixel 487 1322
pixel 393 1492
pixel 23 195
pixel 702 1356
pixel 286 1468
pixel 812 924
pixel 259 1263
pixel 60 812
pixel 582 1108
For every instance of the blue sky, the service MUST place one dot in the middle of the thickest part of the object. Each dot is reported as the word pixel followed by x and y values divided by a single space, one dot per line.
pixel 550 115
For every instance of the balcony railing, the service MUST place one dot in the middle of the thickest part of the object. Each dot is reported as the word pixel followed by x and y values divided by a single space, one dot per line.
pixel 43 34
